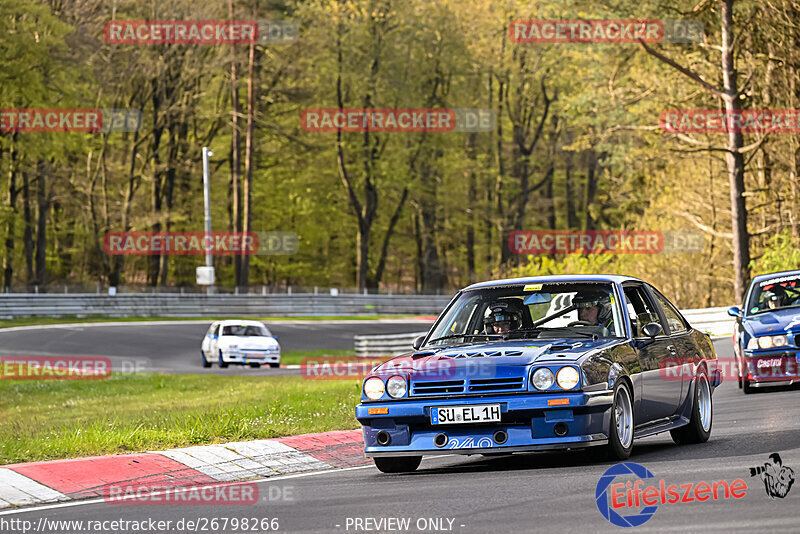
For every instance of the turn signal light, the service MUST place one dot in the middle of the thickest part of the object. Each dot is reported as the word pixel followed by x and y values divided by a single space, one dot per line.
pixel 378 411
pixel 558 402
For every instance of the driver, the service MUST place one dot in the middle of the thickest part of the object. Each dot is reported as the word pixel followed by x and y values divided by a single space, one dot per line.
pixel 593 307
pixel 775 297
pixel 502 319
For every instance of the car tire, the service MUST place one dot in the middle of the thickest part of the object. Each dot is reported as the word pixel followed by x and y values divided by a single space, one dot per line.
pixel 746 387
pixel 619 447
pixel 699 428
pixel 255 365
pixel 222 363
pixel 275 365
pixel 398 464
pixel 206 363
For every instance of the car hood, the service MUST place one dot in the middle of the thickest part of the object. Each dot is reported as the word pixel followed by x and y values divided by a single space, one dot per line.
pixel 774 322
pixel 249 342
pixel 513 353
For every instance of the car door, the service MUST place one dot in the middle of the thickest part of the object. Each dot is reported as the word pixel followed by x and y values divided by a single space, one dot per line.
pixel 659 396
pixel 679 334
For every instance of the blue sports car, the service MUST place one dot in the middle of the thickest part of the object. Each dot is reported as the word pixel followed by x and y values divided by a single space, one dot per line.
pixel 767 334
pixel 528 364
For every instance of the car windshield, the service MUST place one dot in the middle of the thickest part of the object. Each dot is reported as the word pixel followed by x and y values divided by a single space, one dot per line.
pixel 244 330
pixel 774 294
pixel 540 310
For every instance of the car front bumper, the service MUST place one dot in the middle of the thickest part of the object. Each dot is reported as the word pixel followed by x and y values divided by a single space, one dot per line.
pixel 245 358
pixel 528 421
pixel 771 368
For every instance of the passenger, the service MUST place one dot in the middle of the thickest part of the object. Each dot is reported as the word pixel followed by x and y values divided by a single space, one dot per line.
pixel 502 318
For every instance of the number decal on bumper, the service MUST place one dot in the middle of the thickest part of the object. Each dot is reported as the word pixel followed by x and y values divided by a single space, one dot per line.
pixel 470 443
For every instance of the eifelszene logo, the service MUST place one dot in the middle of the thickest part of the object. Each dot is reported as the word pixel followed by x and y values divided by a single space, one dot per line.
pixel 613 498
pixel 777 478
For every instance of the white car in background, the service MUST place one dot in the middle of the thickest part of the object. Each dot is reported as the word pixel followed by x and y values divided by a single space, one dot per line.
pixel 240 342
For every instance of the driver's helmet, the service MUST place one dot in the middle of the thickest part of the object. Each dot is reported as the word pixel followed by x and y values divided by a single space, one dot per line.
pixel 587 299
pixel 502 312
pixel 775 294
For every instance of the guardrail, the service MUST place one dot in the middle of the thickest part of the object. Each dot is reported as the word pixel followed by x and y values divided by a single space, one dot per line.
pixel 176 305
pixel 714 321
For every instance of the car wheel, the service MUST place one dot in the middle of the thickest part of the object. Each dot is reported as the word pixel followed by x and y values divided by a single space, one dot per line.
pixel 222 363
pixel 206 363
pixel 255 365
pixel 746 387
pixel 699 428
pixel 398 464
pixel 275 365
pixel 620 432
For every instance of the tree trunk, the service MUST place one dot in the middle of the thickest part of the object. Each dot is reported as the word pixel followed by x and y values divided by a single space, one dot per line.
pixel 249 148
pixel 43 204
pixel 27 234
pixel 235 148
pixel 735 160
pixel 8 260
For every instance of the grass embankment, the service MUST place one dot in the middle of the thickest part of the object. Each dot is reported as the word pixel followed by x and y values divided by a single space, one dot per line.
pixel 31 321
pixel 45 420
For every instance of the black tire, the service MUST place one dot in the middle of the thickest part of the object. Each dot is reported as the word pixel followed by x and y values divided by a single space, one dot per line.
pixel 255 365
pixel 615 450
pixel 206 363
pixel 275 365
pixel 222 363
pixel 397 464
pixel 746 387
pixel 695 432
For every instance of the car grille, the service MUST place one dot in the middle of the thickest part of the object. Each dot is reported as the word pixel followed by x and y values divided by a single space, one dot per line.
pixel 496 384
pixel 475 385
pixel 437 387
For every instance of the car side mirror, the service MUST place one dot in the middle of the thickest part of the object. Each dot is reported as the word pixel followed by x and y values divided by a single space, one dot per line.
pixel 275 337
pixel 418 342
pixel 652 329
pixel 734 311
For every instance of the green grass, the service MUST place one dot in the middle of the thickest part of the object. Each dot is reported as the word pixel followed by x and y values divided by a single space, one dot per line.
pixel 29 321
pixel 45 420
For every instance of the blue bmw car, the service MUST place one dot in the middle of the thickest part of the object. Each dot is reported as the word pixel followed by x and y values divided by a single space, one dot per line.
pixel 767 333
pixel 528 364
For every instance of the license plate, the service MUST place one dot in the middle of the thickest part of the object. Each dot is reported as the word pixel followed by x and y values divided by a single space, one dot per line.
pixel 474 413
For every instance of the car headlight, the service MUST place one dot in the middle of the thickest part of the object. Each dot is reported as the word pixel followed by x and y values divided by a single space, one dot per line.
pixel 542 378
pixel 567 377
pixel 768 342
pixel 396 386
pixel 373 388
pixel 233 347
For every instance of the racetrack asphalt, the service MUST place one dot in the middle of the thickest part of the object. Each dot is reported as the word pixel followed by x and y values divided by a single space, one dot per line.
pixel 175 348
pixel 538 492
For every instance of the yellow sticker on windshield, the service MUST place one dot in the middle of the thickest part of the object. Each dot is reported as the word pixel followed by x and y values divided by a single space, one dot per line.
pixel 532 287
pixel 612 299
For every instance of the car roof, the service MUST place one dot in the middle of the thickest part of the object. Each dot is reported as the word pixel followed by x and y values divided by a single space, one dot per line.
pixel 229 322
pixel 767 276
pixel 613 278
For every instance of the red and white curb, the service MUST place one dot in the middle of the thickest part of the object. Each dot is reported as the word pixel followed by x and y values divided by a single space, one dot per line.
pixel 62 480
